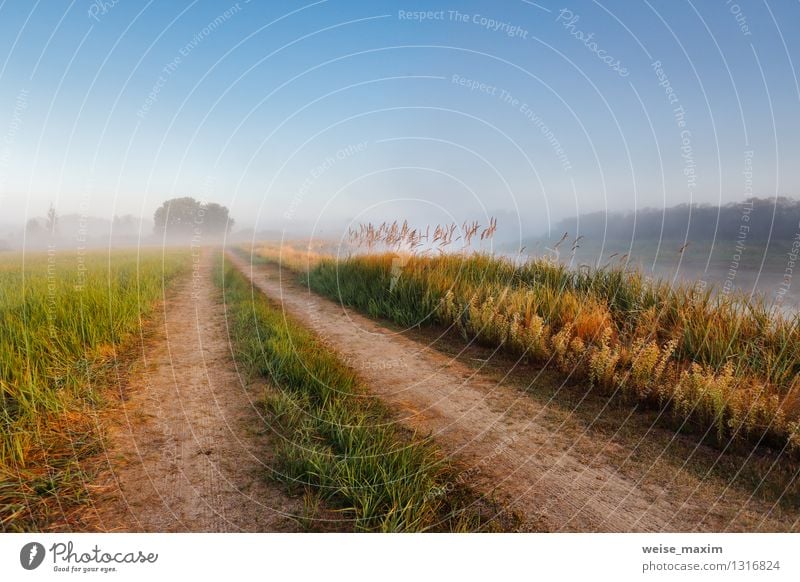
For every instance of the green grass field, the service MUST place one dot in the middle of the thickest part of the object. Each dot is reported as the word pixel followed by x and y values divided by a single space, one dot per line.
pixel 63 317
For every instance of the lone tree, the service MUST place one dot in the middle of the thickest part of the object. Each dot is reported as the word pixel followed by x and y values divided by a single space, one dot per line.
pixel 33 228
pixel 187 216
pixel 51 224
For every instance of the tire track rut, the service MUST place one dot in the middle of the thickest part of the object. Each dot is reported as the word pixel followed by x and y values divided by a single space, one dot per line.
pixel 193 455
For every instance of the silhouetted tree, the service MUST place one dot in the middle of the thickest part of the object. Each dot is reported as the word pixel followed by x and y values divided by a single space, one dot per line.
pixel 33 228
pixel 51 222
pixel 187 216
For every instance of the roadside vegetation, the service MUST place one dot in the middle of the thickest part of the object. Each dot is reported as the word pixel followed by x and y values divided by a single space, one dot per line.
pixel 337 442
pixel 297 256
pixel 63 321
pixel 724 366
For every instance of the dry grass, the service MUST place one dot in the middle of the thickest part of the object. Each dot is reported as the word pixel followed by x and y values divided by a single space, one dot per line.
pixel 297 256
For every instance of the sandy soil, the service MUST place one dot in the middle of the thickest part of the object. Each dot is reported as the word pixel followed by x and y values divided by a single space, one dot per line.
pixel 552 469
pixel 191 453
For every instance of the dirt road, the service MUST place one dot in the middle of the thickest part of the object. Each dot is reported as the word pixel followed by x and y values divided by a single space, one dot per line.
pixel 551 468
pixel 190 453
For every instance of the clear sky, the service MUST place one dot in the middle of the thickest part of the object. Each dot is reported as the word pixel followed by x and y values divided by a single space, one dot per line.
pixel 293 113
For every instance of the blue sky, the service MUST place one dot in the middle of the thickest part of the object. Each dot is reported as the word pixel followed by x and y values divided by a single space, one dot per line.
pixel 302 113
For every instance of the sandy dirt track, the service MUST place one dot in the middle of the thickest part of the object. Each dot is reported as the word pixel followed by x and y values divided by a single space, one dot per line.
pixel 554 472
pixel 190 453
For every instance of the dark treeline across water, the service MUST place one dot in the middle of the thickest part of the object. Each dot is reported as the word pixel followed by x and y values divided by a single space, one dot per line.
pixel 755 219
pixel 752 246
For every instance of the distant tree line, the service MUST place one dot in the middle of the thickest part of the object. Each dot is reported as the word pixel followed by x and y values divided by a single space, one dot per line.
pixel 759 219
pixel 178 220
